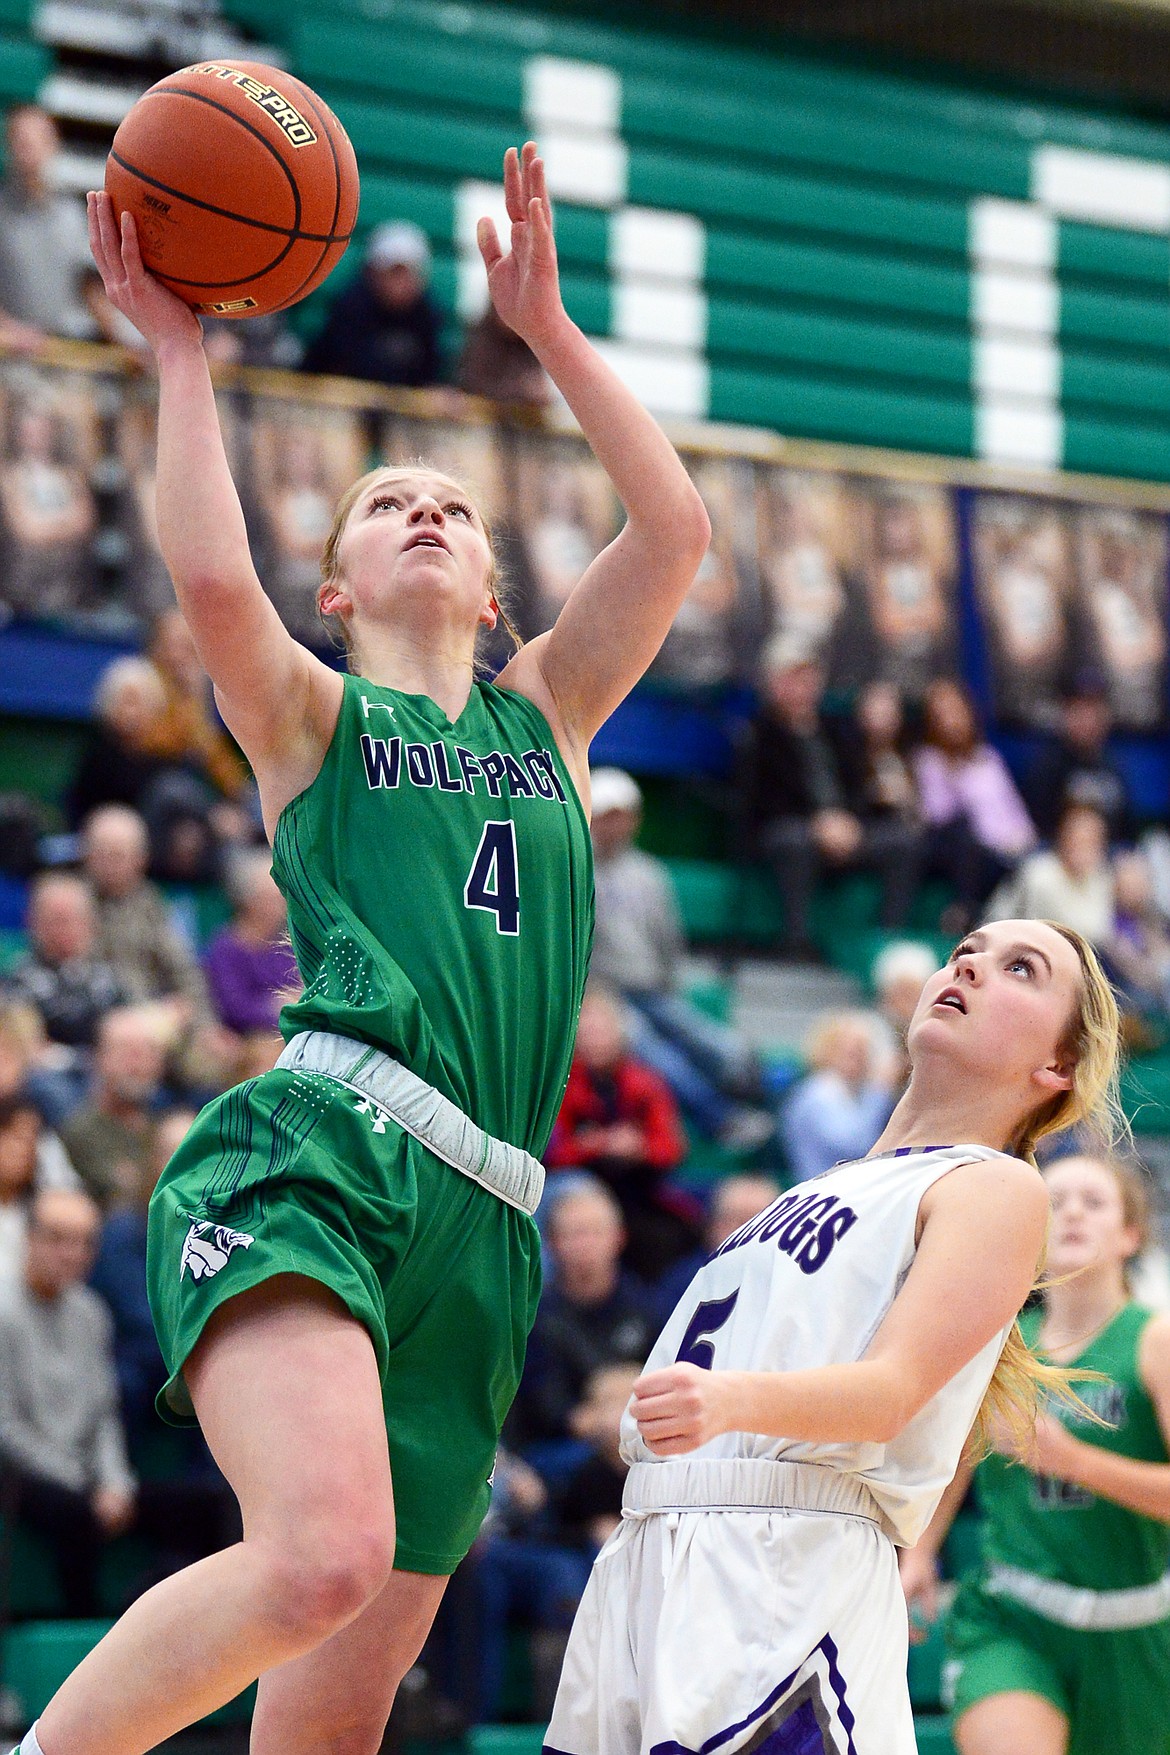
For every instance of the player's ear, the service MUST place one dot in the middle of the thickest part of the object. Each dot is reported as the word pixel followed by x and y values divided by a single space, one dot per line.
pixel 332 599
pixel 489 615
pixel 1057 1076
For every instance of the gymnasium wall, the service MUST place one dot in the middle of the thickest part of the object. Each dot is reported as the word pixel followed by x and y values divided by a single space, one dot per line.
pixel 836 252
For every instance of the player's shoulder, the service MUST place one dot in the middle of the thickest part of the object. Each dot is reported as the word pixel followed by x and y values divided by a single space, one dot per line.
pixel 999 1180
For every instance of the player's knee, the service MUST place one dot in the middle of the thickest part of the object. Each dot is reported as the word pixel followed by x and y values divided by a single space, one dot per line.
pixel 321 1584
pixel 357 1739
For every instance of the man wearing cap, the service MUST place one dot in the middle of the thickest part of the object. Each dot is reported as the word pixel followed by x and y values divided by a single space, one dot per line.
pixel 384 327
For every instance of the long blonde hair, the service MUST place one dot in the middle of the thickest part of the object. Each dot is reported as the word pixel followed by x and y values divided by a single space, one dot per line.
pixel 330 565
pixel 1092 1044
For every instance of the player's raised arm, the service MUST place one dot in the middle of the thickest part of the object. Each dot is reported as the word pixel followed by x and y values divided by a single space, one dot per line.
pixel 619 613
pixel 275 696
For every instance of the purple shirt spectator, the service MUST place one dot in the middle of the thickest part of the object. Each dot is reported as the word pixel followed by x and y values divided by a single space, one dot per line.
pixel 980 788
pixel 250 962
pixel 246 980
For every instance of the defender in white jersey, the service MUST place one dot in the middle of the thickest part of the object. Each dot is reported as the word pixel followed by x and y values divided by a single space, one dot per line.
pixel 809 1399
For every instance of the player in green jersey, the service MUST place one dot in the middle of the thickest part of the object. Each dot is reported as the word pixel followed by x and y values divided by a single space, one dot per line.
pixel 1061 1641
pixel 343 1261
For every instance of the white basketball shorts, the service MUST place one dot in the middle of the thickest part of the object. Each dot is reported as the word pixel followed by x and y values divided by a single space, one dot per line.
pixel 719 1631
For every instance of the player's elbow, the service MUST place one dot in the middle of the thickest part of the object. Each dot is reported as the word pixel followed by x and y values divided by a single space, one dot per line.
pixel 692 528
pixel 885 1414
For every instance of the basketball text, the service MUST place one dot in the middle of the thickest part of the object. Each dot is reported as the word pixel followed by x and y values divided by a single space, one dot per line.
pixel 296 130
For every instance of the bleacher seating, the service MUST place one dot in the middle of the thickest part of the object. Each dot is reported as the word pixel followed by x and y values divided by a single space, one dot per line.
pixel 836 203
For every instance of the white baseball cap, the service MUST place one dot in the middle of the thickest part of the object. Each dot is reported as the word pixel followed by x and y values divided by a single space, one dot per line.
pixel 399 244
pixel 614 789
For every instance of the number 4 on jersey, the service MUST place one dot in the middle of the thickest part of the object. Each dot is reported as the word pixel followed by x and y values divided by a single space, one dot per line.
pixel 493 882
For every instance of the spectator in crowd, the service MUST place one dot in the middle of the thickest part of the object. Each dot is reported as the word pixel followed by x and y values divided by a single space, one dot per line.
pixel 495 363
pixel 589 1501
pixel 109 1138
pixel 521 1575
pixel 1074 765
pixel 837 1111
pixel 1138 949
pixel 135 932
pixel 118 764
pixel 151 957
pixel 384 327
pixel 888 787
pixel 1071 882
pixel 119 1275
pixel 124 763
pixel 734 1200
pixel 62 975
pixel 24 1049
pixel 250 965
pixel 637 948
pixel 63 1463
pixel 979 824
pixel 805 800
pixel 187 732
pixel 64 1469
pixel 25 1169
pixel 44 244
pixel 593 1313
pixel 619 1120
pixel 900 971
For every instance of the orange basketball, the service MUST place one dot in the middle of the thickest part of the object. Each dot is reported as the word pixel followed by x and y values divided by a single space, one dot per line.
pixel 242 183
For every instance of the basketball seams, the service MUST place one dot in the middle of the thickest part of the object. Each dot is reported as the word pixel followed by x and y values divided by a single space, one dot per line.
pixel 306 284
pixel 249 127
pixel 210 234
pixel 260 225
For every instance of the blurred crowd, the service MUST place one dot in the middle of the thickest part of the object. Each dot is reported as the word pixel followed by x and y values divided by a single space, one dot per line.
pixel 155 959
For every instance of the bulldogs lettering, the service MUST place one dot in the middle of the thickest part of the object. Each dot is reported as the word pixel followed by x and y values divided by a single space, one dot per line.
pixel 805 1227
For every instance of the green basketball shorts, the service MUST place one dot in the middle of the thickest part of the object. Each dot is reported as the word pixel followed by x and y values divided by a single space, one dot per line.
pixel 1111 1686
pixel 293 1173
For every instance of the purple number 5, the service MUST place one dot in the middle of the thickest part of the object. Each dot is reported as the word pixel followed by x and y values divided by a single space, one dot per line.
pixel 707 1320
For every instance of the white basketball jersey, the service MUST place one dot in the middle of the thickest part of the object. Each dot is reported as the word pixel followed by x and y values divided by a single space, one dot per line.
pixel 808 1282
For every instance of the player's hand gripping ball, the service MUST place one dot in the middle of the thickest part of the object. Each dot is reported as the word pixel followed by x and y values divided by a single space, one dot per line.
pixel 243 186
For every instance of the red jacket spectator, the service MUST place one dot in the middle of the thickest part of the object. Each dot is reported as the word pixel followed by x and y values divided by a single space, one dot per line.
pixel 620 1120
pixel 599 1113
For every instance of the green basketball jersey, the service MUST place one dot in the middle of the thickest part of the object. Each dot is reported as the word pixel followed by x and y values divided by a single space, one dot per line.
pixel 1057 1529
pixel 439 881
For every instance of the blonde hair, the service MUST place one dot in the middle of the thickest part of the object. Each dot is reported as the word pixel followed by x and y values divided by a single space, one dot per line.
pixel 330 565
pixel 1092 1044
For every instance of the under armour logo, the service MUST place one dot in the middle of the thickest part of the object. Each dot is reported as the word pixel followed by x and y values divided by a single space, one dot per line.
pixel 369 707
pixel 367 1106
pixel 207 1246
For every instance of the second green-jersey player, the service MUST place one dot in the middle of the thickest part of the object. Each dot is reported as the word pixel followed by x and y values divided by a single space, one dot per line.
pixel 439 885
pixel 1099 1561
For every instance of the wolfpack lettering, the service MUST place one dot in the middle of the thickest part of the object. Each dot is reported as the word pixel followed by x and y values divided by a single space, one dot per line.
pixel 290 122
pixel 428 765
pixel 383 759
pixel 805 1227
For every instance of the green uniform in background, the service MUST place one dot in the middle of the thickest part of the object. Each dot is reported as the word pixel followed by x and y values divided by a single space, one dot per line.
pixel 1111 1683
pixel 440 895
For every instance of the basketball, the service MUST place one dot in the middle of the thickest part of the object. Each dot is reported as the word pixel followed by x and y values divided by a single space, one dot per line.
pixel 242 183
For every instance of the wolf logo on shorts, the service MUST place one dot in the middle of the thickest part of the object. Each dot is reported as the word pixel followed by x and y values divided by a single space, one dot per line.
pixel 207 1246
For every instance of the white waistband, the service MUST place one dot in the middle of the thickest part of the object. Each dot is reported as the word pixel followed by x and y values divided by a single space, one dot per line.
pixel 429 1117
pixel 745 1484
pixel 1094 1611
